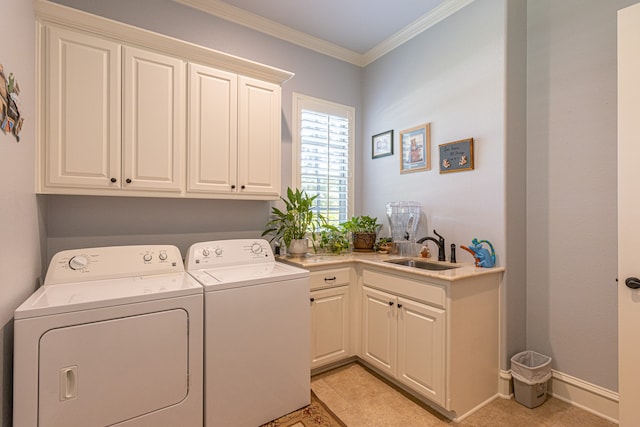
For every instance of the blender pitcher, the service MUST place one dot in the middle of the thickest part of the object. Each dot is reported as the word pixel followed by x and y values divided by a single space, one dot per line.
pixel 403 221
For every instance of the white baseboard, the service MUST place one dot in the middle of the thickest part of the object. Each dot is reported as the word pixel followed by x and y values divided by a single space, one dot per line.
pixel 587 396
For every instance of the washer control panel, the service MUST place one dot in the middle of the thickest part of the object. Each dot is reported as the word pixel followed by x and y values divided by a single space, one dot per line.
pixel 222 253
pixel 77 265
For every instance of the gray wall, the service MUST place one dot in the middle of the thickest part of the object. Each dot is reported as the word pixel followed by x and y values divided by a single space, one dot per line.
pixel 20 225
pixel 96 221
pixel 571 186
pixel 453 76
pixel 465 76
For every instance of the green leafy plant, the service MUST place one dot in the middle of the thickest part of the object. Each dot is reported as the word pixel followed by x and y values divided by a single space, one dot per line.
pixel 383 243
pixel 363 231
pixel 334 239
pixel 361 224
pixel 296 220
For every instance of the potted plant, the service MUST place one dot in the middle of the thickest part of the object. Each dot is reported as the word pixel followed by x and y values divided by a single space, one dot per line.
pixel 334 239
pixel 291 225
pixel 363 229
pixel 383 244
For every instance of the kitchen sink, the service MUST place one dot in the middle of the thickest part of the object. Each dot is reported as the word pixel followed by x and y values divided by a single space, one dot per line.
pixel 424 265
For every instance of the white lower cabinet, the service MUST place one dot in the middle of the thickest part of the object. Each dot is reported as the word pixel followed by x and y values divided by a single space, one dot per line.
pixel 332 315
pixel 329 325
pixel 406 340
pixel 437 338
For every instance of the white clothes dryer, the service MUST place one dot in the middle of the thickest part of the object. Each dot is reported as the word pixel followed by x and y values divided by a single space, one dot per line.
pixel 114 337
pixel 257 365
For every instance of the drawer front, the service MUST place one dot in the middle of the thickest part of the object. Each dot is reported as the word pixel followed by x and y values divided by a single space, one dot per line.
pixel 415 289
pixel 329 278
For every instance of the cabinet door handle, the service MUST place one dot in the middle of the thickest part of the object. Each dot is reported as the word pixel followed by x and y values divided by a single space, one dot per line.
pixel 390 303
pixel 114 180
pixel 128 181
pixel 399 305
pixel 312 299
pixel 632 282
pixel 242 187
pixel 233 186
pixel 330 279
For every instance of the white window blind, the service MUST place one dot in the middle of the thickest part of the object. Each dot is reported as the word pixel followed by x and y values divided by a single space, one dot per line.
pixel 325 157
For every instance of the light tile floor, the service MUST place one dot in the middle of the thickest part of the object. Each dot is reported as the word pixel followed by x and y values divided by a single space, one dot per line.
pixel 361 399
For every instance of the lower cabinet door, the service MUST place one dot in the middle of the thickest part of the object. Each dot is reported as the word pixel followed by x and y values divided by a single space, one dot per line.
pixel 421 348
pixel 379 329
pixel 329 325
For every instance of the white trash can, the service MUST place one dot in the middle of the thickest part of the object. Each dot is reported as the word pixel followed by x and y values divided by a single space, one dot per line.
pixel 531 372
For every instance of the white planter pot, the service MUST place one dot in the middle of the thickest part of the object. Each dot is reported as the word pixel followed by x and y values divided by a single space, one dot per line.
pixel 298 247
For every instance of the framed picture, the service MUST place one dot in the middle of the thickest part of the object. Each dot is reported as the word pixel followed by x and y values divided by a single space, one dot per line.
pixel 382 144
pixel 415 147
pixel 456 156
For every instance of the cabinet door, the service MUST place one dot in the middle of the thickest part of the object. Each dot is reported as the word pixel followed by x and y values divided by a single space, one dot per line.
pixel 82 114
pixel 421 348
pixel 213 130
pixel 154 117
pixel 329 325
pixel 379 329
pixel 259 137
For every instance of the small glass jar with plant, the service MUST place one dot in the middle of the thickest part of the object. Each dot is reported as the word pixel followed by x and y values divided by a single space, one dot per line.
pixel 363 230
pixel 295 222
pixel 334 240
pixel 383 245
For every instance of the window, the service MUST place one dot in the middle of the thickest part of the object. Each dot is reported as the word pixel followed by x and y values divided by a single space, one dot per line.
pixel 323 155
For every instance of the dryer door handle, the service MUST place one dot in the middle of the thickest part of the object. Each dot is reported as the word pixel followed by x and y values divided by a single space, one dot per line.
pixel 68 383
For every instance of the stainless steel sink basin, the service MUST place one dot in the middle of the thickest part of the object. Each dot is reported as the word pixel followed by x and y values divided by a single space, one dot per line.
pixel 424 265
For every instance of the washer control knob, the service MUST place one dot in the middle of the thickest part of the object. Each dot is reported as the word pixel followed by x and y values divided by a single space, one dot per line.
pixel 206 252
pixel 78 262
pixel 256 248
pixel 163 256
pixel 219 251
pixel 147 257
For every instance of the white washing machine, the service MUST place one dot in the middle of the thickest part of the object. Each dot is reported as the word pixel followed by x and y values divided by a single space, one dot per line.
pixel 114 337
pixel 256 332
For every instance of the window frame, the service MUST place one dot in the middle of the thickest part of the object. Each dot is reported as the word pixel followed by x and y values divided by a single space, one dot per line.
pixel 306 102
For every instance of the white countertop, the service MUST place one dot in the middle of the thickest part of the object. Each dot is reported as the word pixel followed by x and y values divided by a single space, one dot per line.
pixel 462 270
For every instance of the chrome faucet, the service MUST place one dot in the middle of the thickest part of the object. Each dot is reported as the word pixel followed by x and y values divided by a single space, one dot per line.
pixel 439 242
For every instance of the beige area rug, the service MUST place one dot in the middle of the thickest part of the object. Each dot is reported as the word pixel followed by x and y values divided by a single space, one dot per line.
pixel 315 415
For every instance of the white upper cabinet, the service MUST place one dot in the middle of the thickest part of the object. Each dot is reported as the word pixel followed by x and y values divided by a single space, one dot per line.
pixel 213 130
pixel 234 134
pixel 259 137
pixel 83 110
pixel 135 113
pixel 154 121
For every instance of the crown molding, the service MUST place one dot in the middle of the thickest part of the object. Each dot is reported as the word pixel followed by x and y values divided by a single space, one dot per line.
pixel 247 19
pixel 256 22
pixel 53 13
pixel 440 13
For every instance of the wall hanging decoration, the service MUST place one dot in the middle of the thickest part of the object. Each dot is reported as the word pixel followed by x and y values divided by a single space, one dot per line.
pixel 456 156
pixel 382 144
pixel 415 149
pixel 11 119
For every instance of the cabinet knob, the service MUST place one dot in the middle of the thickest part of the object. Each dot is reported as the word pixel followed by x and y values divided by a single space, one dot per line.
pixel 390 303
pixel 312 299
pixel 114 180
pixel 399 305
pixel 242 187
pixel 632 282
pixel 233 187
pixel 128 180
